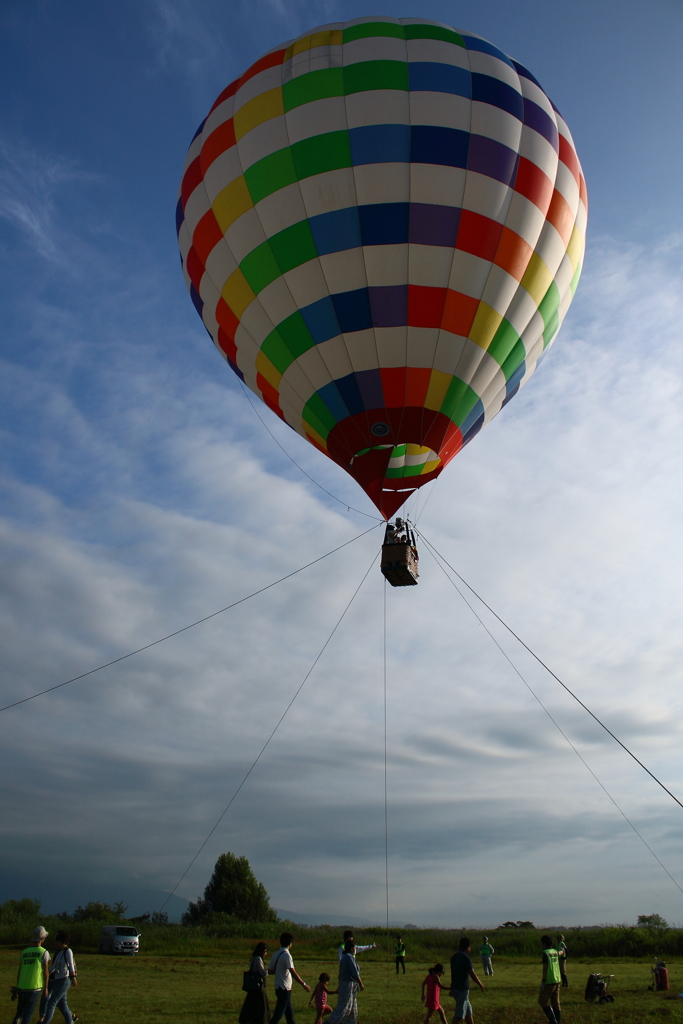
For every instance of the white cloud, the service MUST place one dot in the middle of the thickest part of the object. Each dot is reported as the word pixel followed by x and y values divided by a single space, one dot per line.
pixel 141 493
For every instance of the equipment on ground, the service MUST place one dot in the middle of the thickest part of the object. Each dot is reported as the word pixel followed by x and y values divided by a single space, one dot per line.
pixel 382 226
pixel 660 977
pixel 596 988
pixel 399 554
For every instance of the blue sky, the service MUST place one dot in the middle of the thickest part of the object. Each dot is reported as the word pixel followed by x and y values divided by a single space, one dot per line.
pixel 139 492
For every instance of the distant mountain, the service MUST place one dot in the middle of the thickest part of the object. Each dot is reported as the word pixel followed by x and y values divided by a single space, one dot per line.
pixel 337 920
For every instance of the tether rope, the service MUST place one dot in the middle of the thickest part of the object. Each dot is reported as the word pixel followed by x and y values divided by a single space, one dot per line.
pixel 550 672
pixel 386 803
pixel 279 723
pixel 184 629
pixel 556 724
pixel 350 508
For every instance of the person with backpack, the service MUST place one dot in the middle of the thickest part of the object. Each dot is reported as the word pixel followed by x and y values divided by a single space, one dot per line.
pixel 255 1009
pixel 32 979
pixel 282 966
pixel 62 975
pixel 549 993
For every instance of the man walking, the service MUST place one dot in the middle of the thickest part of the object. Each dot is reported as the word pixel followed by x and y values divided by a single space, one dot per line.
pixel 33 976
pixel 486 951
pixel 462 970
pixel 549 993
pixel 400 954
pixel 282 966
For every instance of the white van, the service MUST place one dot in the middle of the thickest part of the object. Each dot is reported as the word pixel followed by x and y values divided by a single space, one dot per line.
pixel 119 938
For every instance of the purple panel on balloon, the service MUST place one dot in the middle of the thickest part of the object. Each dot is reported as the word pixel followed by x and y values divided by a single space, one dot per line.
pixel 370 386
pixel 486 156
pixel 389 305
pixel 433 225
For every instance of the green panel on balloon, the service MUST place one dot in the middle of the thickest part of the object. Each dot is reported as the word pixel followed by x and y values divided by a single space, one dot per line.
pixel 446 35
pixel 319 416
pixel 277 351
pixel 270 174
pixel 514 360
pixel 293 246
pixel 296 334
pixel 323 153
pixel 459 402
pixel 375 74
pixel 260 267
pixel 373 28
pixel 317 85
pixel 503 342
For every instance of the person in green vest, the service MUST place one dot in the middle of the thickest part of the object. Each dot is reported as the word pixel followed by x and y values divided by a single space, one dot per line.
pixel 486 951
pixel 400 954
pixel 33 976
pixel 549 993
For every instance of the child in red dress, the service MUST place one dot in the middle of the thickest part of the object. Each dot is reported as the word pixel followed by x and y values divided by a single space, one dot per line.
pixel 320 994
pixel 433 999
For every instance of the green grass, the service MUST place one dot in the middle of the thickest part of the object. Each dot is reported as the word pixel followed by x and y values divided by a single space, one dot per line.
pixel 204 989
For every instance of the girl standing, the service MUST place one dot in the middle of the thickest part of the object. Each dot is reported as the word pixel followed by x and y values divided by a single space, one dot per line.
pixel 320 994
pixel 255 1009
pixel 432 1000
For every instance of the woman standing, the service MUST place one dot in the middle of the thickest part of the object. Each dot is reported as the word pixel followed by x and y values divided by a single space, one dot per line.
pixel 255 1009
pixel 62 977
pixel 346 1009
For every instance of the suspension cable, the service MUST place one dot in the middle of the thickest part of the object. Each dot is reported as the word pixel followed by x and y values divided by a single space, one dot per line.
pixel 386 804
pixel 184 629
pixel 279 723
pixel 553 674
pixel 350 508
pixel 555 722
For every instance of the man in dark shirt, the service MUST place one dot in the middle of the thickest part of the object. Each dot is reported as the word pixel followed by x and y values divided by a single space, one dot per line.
pixel 462 969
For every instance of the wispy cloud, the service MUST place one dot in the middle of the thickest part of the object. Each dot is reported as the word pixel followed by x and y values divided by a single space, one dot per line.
pixel 30 186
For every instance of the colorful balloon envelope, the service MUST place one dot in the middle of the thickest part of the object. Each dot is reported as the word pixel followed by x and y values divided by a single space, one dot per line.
pixel 382 226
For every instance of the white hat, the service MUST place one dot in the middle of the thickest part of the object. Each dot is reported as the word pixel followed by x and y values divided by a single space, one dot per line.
pixel 38 934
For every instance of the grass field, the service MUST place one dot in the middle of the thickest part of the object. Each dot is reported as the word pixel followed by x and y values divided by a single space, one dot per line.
pixel 207 989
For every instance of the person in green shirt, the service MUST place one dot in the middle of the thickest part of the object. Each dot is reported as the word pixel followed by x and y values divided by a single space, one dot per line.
pixel 32 977
pixel 486 951
pixel 400 954
pixel 549 992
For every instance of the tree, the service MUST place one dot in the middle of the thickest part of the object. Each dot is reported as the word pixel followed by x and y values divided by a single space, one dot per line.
pixel 19 908
pixel 233 889
pixel 95 911
pixel 655 921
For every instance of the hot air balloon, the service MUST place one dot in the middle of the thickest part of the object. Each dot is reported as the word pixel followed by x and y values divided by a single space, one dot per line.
pixel 382 226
